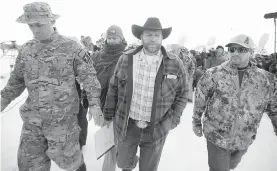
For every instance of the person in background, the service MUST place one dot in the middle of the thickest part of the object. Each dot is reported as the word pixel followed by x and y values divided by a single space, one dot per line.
pixel 188 62
pixel 104 62
pixel 216 58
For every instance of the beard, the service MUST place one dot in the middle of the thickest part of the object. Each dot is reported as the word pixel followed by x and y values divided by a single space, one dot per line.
pixel 152 48
pixel 239 63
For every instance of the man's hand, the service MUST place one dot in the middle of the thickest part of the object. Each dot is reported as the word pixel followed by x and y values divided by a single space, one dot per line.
pixel 197 131
pixel 97 115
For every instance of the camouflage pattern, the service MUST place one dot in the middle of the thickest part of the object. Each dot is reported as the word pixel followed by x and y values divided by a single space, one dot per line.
pixel 57 141
pixel 233 113
pixel 37 12
pixel 190 69
pixel 48 70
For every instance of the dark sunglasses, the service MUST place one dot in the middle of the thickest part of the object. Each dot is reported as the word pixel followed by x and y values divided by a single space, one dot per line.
pixel 238 49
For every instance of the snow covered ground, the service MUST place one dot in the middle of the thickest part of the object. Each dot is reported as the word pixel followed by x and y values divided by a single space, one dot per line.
pixel 183 151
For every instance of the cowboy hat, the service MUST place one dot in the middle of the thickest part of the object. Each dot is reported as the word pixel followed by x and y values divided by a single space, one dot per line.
pixel 37 12
pixel 151 24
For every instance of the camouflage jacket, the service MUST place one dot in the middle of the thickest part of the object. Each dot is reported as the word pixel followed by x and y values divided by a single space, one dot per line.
pixel 232 113
pixel 48 70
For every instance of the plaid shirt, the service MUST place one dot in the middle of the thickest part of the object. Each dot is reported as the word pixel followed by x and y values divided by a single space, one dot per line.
pixel 144 74
pixel 169 100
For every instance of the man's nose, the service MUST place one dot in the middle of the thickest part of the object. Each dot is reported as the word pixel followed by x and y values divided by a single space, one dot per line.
pixel 153 38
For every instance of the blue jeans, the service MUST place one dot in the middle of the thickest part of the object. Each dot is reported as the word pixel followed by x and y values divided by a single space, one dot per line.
pixel 150 150
pixel 221 159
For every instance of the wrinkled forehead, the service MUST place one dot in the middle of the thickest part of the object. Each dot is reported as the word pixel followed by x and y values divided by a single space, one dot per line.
pixel 148 31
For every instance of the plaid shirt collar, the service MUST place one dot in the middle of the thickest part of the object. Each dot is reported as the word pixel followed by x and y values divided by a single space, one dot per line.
pixel 155 59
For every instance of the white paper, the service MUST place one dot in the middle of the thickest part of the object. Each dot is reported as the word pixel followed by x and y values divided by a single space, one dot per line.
pixel 104 140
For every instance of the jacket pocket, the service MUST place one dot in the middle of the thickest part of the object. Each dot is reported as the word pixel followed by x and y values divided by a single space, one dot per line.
pixel 165 124
pixel 169 86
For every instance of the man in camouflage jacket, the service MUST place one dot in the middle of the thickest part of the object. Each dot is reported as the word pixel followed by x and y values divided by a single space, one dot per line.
pixel 48 66
pixel 233 97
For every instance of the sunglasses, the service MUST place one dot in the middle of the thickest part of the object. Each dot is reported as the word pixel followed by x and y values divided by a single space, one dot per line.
pixel 238 49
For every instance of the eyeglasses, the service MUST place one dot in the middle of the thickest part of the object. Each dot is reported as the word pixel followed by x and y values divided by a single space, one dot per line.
pixel 238 49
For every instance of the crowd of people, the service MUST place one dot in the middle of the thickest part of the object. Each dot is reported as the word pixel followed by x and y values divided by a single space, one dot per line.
pixel 202 60
pixel 143 89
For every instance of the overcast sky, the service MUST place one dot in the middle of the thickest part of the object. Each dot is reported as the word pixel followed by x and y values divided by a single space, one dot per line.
pixel 197 20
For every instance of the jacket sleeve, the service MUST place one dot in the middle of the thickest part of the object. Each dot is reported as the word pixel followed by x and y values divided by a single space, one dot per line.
pixel 272 105
pixel 15 85
pixel 204 91
pixel 111 98
pixel 86 76
pixel 182 97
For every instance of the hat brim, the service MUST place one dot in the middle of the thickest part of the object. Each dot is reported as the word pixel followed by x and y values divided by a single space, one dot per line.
pixel 243 45
pixel 26 20
pixel 137 31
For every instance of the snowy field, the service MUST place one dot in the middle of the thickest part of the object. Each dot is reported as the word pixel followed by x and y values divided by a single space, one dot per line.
pixel 183 151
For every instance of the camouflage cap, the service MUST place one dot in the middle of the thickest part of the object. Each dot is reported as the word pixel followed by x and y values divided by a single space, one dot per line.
pixel 37 12
pixel 242 40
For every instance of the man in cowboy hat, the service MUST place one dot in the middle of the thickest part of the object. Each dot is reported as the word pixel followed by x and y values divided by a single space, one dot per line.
pixel 233 97
pixel 147 95
pixel 48 66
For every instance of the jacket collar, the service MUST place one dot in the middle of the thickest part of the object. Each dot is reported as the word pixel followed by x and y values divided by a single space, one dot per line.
pixel 163 51
pixel 228 67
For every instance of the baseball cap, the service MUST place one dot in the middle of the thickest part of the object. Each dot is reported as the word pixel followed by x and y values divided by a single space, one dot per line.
pixel 243 40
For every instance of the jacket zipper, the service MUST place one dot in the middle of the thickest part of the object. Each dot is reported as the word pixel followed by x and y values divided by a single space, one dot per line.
pixel 238 87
